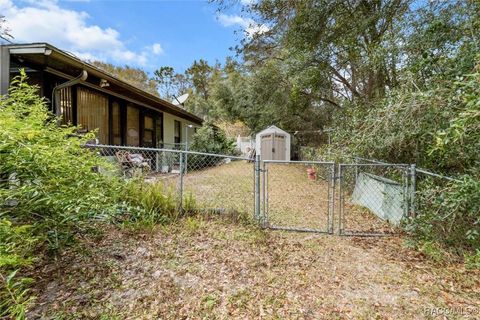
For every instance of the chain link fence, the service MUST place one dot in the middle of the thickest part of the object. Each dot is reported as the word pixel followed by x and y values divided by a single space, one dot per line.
pixel 374 198
pixel 209 182
pixel 429 188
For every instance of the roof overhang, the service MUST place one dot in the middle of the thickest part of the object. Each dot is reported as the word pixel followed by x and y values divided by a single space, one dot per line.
pixel 53 60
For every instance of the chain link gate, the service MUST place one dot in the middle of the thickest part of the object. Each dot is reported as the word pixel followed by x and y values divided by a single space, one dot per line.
pixel 300 196
pixel 296 195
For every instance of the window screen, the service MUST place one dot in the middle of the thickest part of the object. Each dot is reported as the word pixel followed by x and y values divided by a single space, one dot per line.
pixel 93 112
pixel 149 132
pixel 133 126
pixel 64 97
pixel 116 124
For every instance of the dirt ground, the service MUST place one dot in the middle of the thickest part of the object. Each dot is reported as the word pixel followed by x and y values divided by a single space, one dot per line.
pixel 211 268
pixel 208 267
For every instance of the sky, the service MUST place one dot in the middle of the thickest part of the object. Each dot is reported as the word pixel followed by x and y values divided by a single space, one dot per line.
pixel 145 34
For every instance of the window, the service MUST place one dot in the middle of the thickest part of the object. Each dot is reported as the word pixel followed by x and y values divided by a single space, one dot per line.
pixel 178 133
pixel 133 126
pixel 148 131
pixel 64 101
pixel 92 112
pixel 159 131
pixel 116 124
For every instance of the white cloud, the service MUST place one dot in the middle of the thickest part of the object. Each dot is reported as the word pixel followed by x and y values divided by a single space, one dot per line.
pixel 248 2
pixel 46 21
pixel 157 48
pixel 249 26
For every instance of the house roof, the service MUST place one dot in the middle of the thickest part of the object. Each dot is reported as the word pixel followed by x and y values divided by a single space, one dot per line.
pixel 67 65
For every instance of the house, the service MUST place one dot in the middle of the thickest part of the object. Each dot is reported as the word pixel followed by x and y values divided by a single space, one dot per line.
pixel 82 94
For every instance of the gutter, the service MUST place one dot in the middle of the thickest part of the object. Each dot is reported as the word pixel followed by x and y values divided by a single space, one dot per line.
pixel 82 77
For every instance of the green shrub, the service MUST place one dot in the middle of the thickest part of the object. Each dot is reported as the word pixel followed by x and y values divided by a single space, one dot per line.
pixel 17 244
pixel 48 190
pixel 210 139
pixel 449 215
pixel 437 128
pixel 149 203
pixel 472 261
pixel 50 177
pixel 51 190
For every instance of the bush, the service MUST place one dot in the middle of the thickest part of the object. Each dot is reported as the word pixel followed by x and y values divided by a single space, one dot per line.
pixel 450 215
pixel 48 190
pixel 51 190
pixel 17 245
pixel 438 128
pixel 48 177
pixel 210 139
pixel 149 203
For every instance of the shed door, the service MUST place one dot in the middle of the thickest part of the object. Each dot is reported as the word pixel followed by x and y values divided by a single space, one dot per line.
pixel 266 149
pixel 279 147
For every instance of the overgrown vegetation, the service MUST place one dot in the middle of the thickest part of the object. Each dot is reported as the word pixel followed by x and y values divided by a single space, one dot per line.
pixel 393 80
pixel 52 190
pixel 210 139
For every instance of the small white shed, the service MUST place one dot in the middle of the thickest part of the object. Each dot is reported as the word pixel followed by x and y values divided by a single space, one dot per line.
pixel 273 144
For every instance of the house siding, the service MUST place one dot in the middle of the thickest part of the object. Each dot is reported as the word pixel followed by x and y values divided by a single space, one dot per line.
pixel 169 129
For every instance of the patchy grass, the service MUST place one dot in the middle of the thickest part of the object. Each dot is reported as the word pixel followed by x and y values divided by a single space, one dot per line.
pixel 224 187
pixel 294 200
pixel 212 268
pixel 208 266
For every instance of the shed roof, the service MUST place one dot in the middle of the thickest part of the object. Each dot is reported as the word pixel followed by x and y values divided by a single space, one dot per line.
pixel 273 129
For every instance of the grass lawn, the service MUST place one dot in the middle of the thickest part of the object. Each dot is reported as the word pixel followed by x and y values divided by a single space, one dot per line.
pixel 212 268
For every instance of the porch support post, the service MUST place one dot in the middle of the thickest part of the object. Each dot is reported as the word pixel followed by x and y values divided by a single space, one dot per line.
pixel 4 69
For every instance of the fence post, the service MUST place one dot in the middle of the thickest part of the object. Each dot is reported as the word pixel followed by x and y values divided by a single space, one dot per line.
pixel 356 169
pixel 331 226
pixel 181 181
pixel 413 189
pixel 340 199
pixel 257 188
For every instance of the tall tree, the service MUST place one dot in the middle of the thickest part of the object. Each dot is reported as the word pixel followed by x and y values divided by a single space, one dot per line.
pixel 171 84
pixel 200 74
pixel 338 49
